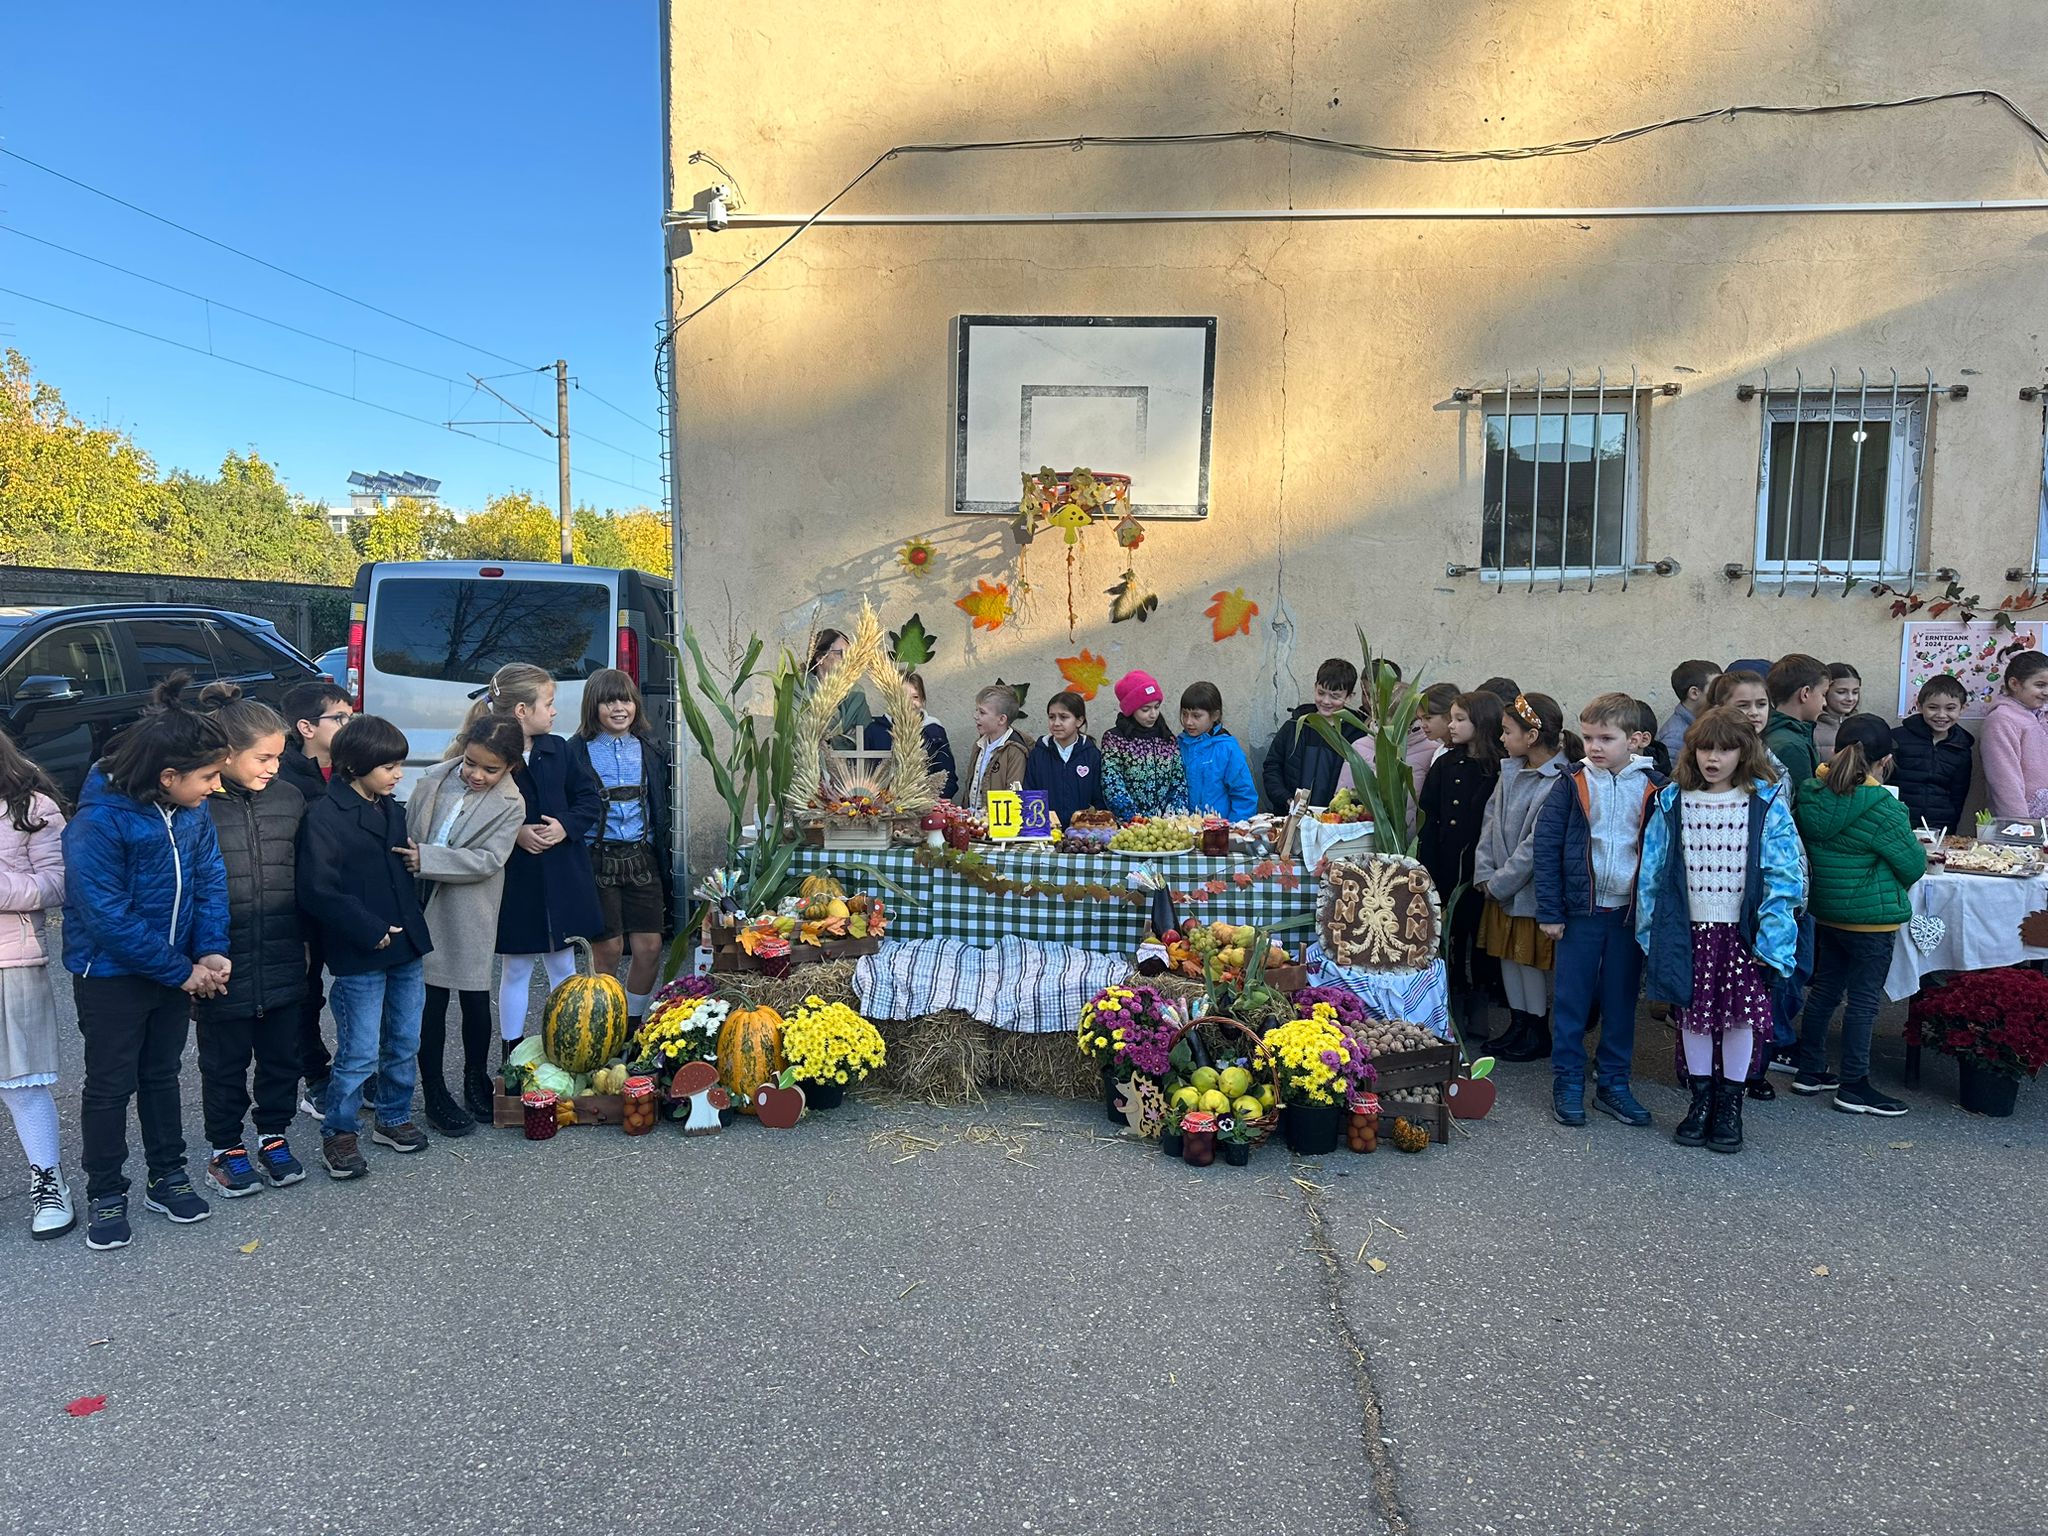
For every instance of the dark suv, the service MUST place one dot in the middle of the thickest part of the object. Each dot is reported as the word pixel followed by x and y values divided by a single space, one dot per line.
pixel 71 677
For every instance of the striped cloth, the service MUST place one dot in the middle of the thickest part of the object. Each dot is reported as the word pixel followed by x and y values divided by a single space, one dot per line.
pixel 1018 985
pixel 1414 997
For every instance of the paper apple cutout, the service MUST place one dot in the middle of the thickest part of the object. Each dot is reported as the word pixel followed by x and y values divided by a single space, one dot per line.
pixel 1470 1097
pixel 778 1108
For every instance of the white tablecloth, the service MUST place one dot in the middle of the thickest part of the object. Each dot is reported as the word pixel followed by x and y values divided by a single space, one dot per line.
pixel 1414 997
pixel 1981 917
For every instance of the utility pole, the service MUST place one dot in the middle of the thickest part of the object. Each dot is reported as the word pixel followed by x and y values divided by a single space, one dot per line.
pixel 562 455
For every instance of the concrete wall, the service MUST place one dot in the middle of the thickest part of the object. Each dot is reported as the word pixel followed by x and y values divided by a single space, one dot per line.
pixel 814 423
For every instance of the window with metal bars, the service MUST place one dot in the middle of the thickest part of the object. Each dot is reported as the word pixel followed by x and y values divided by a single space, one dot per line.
pixel 1559 500
pixel 1841 473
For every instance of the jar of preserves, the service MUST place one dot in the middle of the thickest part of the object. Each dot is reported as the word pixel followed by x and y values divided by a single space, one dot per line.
pixel 537 1108
pixel 1198 1138
pixel 638 1113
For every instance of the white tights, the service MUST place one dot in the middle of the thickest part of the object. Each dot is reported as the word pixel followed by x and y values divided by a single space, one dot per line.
pixel 35 1121
pixel 1528 989
pixel 1737 1047
pixel 515 980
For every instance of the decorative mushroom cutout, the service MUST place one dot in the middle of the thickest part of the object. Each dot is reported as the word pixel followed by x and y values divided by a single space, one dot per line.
pixel 698 1082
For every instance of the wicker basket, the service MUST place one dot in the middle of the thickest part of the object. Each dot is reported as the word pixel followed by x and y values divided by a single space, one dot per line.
pixel 1269 1122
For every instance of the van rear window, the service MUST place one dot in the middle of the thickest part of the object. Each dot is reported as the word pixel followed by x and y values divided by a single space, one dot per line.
pixel 461 630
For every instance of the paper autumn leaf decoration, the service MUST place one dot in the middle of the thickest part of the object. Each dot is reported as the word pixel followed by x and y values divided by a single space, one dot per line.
pixel 1232 613
pixel 987 605
pixel 912 646
pixel 915 556
pixel 1085 673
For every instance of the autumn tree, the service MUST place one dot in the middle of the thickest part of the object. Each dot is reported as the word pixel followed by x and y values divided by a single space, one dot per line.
pixel 253 528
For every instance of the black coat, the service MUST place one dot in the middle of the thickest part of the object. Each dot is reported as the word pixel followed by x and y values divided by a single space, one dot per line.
pixel 1299 758
pixel 551 897
pixel 303 774
pixel 1453 809
pixel 353 888
pixel 880 736
pixel 258 836
pixel 1933 777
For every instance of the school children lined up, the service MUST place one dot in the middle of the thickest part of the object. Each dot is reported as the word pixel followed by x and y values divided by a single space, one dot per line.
pixel 232 869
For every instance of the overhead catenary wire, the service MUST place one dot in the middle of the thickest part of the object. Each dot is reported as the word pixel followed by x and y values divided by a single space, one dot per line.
pixel 1409 154
pixel 286 378
pixel 579 386
pixel 233 250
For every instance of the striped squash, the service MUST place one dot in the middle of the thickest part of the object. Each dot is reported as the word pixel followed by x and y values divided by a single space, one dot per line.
pixel 749 1053
pixel 585 1023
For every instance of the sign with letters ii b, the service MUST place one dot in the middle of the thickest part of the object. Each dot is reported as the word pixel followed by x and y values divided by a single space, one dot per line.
pixel 1018 815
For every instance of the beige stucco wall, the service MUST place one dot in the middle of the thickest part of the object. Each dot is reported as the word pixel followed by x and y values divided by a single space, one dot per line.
pixel 814 427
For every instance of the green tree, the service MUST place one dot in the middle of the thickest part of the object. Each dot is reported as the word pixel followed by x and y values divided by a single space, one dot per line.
pixel 73 495
pixel 252 527
pixel 410 529
pixel 512 527
pixel 643 538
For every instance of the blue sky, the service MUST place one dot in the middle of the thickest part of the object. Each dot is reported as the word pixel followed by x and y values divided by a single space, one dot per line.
pixel 490 170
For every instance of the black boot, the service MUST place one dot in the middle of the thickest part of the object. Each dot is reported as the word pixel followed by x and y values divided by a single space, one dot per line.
pixel 446 1116
pixel 1692 1130
pixel 1532 1043
pixel 1724 1124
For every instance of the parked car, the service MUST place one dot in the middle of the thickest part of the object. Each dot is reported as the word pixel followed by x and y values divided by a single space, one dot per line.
pixel 425 636
pixel 333 664
pixel 71 677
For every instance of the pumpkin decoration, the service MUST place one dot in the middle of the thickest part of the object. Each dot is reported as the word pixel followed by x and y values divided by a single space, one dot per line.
pixel 821 885
pixel 749 1053
pixel 585 1023
pixel 1410 1137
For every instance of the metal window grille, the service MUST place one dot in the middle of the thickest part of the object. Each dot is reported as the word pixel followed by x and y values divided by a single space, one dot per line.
pixel 1562 470
pixel 1841 479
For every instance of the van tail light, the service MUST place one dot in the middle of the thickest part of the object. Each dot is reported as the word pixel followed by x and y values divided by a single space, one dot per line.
pixel 354 681
pixel 629 653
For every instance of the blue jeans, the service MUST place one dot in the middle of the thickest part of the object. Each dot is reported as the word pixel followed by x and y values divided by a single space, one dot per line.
pixel 1598 957
pixel 1789 995
pixel 376 1029
pixel 1852 963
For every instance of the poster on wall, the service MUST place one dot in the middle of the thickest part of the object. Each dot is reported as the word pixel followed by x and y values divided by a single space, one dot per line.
pixel 1974 652
pixel 1128 394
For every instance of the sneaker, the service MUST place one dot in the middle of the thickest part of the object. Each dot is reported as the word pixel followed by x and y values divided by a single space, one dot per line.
pixel 1861 1099
pixel 108 1226
pixel 1807 1084
pixel 232 1173
pixel 312 1096
pixel 275 1162
pixel 399 1138
pixel 1780 1062
pixel 49 1204
pixel 173 1196
pixel 343 1161
pixel 1616 1100
pixel 1568 1101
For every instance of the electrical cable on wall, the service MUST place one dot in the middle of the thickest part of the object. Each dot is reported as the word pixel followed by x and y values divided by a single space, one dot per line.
pixel 1407 154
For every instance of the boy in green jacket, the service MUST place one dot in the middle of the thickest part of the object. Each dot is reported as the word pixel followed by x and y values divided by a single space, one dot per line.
pixel 1798 689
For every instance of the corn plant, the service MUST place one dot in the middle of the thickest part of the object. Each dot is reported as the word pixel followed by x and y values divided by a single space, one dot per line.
pixel 1384 781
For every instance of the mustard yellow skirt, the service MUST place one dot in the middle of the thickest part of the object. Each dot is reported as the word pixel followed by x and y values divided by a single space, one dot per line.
pixel 1515 939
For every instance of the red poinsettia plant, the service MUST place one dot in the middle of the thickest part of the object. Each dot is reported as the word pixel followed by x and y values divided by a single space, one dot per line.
pixel 1997 1020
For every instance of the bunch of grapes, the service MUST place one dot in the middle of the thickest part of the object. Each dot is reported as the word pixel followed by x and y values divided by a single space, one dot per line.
pixel 1152 837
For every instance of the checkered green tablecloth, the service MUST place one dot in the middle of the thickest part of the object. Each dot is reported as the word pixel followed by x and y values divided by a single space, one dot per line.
pixel 951 906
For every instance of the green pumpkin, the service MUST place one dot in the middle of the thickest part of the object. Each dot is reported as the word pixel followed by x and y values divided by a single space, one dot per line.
pixel 585 1023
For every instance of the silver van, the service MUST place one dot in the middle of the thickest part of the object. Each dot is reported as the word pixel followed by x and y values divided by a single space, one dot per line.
pixel 424 636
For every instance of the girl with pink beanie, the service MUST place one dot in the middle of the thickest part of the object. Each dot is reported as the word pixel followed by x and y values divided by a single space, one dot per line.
pixel 1141 770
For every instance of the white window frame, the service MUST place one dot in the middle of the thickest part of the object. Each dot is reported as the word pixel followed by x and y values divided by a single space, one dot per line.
pixel 1904 470
pixel 1586 401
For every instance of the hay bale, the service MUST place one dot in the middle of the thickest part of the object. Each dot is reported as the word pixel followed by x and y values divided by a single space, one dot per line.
pixel 1044 1064
pixel 830 979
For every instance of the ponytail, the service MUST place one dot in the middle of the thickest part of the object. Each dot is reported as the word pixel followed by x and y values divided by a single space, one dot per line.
pixel 514 684
pixel 1847 769
pixel 170 737
pixel 246 721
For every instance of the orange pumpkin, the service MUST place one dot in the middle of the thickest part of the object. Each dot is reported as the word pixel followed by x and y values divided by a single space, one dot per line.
pixel 749 1053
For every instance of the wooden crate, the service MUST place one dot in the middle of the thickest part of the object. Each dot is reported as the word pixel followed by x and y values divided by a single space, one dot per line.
pixel 732 958
pixel 1434 1064
pixel 1287 978
pixel 507 1113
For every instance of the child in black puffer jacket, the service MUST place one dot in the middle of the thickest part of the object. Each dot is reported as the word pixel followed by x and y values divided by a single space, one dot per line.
pixel 256 819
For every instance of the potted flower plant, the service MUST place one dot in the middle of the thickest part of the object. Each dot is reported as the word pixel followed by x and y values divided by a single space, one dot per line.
pixel 1995 1024
pixel 1169 1131
pixel 828 1047
pixel 1234 1137
pixel 1127 1031
pixel 1321 1064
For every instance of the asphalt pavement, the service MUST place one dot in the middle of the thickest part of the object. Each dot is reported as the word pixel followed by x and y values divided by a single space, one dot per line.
pixel 1003 1319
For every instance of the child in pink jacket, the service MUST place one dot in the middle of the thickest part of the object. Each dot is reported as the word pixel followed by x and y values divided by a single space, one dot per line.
pixel 31 879
pixel 2014 741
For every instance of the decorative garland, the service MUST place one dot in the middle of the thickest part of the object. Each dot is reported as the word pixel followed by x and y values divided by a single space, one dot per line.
pixel 908 776
pixel 1281 874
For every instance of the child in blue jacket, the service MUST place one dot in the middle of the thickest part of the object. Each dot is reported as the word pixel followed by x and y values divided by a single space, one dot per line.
pixel 145 932
pixel 1219 777
pixel 1717 906
pixel 1588 844
pixel 1064 763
